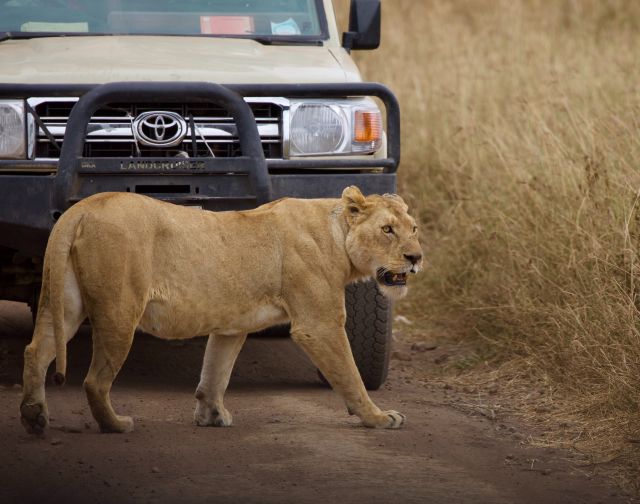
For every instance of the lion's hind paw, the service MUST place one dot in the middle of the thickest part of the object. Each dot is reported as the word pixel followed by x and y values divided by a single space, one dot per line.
pixel 34 417
pixel 205 416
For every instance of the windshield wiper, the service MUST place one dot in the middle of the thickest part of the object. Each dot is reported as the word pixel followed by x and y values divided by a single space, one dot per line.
pixel 288 40
pixel 264 40
pixel 29 35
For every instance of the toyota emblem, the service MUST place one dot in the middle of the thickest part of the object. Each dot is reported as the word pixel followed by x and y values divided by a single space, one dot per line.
pixel 159 129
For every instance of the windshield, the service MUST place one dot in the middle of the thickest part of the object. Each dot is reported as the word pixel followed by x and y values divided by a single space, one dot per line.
pixel 261 19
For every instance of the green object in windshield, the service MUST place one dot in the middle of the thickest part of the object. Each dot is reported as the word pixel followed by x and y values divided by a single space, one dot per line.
pixel 300 19
pixel 37 26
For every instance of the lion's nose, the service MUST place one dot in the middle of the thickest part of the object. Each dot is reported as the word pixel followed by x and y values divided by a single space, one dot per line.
pixel 413 258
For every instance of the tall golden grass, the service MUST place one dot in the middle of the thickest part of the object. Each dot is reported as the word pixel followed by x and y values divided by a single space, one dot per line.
pixel 521 155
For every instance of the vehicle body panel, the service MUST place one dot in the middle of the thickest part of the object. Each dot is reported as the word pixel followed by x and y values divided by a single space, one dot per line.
pixel 97 60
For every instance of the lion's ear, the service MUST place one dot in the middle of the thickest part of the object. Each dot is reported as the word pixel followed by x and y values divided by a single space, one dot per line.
pixel 398 198
pixel 353 199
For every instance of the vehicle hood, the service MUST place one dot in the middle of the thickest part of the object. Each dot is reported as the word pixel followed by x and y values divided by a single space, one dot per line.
pixel 97 60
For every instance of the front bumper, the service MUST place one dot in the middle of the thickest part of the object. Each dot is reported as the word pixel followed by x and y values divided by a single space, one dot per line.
pixel 30 204
pixel 26 212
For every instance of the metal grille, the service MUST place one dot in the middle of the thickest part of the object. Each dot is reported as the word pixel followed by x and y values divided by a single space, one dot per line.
pixel 110 130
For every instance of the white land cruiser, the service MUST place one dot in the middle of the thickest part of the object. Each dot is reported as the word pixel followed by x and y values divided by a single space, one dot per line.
pixel 221 104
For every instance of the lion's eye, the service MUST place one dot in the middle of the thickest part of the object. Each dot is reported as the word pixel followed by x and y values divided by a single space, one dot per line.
pixel 387 229
pixel 415 229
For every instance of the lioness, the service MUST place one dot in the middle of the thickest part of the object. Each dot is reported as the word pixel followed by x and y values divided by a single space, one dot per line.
pixel 128 261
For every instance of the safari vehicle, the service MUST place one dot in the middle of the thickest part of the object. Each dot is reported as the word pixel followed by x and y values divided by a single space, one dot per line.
pixel 218 104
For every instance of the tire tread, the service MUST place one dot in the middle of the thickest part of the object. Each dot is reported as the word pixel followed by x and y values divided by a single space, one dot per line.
pixel 368 327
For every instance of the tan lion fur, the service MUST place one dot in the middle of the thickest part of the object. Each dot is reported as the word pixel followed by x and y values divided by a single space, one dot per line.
pixel 127 261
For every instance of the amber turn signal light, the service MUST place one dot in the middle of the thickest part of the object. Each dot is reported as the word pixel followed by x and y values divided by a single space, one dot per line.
pixel 367 127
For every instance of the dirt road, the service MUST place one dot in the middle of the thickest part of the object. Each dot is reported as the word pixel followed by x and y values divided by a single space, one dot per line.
pixel 292 440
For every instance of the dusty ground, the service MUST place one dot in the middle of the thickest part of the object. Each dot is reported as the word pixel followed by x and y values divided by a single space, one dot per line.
pixel 292 440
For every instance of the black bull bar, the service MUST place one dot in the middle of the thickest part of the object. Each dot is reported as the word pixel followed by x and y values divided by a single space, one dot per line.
pixel 30 204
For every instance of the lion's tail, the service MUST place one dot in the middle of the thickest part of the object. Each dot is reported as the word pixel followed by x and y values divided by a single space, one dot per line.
pixel 55 265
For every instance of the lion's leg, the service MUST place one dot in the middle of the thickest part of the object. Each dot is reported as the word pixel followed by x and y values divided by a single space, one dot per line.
pixel 39 354
pixel 219 358
pixel 111 346
pixel 328 348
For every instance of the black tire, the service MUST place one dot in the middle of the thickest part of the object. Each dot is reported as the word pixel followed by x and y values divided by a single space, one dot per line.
pixel 369 330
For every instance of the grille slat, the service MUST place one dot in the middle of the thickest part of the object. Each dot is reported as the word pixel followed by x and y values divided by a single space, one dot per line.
pixel 112 136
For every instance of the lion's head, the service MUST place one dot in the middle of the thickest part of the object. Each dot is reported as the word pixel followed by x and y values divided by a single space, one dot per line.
pixel 382 241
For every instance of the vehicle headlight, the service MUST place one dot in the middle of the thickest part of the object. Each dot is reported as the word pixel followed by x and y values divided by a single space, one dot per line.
pixel 321 127
pixel 13 135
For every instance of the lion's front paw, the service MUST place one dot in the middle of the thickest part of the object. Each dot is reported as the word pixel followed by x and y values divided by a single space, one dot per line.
pixel 396 419
pixel 119 425
pixel 207 415
pixel 387 420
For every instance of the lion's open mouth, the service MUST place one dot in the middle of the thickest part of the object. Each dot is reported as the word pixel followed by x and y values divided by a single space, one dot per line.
pixel 391 279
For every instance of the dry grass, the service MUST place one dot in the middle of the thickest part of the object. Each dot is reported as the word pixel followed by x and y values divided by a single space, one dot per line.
pixel 521 155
